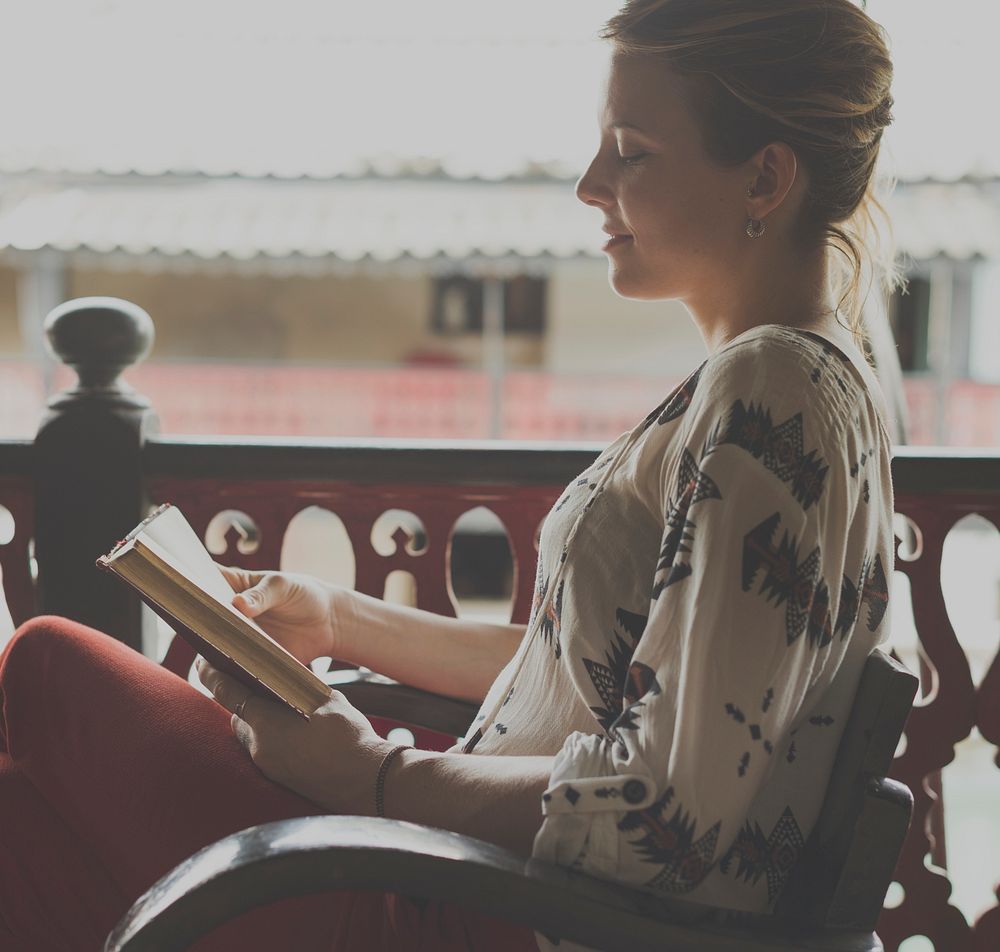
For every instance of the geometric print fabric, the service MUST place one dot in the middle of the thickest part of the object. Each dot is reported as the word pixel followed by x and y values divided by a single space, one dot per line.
pixel 685 842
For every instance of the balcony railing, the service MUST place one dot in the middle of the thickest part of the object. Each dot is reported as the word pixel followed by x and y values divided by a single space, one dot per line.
pixel 95 468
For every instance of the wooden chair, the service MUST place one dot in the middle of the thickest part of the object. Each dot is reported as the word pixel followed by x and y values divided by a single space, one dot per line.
pixel 831 901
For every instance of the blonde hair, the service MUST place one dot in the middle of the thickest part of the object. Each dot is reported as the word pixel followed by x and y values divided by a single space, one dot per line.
pixel 814 74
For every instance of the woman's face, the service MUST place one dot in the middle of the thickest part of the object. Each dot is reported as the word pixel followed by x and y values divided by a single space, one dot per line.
pixel 682 213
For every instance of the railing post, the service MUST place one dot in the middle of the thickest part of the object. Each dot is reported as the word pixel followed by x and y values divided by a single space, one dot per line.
pixel 88 477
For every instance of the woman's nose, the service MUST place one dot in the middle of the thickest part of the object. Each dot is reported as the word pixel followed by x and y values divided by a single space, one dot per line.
pixel 590 189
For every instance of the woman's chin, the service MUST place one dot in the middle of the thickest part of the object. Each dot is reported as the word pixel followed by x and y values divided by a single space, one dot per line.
pixel 631 286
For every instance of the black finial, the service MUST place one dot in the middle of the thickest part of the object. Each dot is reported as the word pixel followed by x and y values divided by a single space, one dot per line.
pixel 99 337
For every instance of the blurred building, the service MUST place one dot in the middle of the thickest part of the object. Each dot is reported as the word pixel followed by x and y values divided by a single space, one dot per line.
pixel 322 287
pixel 368 227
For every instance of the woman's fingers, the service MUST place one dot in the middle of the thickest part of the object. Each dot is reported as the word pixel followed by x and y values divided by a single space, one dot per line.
pixel 255 592
pixel 238 579
pixel 265 593
pixel 232 695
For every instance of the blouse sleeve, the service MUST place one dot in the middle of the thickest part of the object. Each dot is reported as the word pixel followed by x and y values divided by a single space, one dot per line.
pixel 744 617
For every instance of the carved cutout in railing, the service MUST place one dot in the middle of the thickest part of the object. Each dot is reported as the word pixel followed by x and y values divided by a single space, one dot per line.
pixel 988 722
pixel 494 560
pixel 231 530
pixel 6 537
pixel 18 586
pixel 316 542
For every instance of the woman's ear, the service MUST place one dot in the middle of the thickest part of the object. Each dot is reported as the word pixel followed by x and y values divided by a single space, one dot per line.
pixel 773 172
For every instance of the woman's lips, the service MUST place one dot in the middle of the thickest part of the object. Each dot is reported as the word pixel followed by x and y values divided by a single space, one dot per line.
pixel 616 241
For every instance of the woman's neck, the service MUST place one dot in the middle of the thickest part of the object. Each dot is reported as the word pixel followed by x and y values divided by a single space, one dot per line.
pixel 773 287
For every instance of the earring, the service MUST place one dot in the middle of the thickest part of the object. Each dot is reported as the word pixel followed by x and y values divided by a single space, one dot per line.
pixel 755 226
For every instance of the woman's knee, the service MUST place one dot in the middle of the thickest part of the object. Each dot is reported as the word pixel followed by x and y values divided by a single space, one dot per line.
pixel 52 669
pixel 40 640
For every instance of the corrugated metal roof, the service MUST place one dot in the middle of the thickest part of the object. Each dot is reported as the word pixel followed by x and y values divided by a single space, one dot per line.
pixel 351 220
pixel 959 220
pixel 379 220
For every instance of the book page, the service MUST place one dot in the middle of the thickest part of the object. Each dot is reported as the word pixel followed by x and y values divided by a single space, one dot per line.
pixel 216 588
pixel 171 537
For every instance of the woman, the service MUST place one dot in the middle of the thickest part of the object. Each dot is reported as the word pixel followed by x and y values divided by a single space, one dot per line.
pixel 706 594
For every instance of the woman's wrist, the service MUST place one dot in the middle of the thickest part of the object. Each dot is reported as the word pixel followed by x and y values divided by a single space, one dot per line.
pixel 390 797
pixel 342 620
pixel 380 777
pixel 464 793
pixel 374 787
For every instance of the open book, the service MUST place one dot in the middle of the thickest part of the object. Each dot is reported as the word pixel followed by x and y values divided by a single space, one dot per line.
pixel 165 561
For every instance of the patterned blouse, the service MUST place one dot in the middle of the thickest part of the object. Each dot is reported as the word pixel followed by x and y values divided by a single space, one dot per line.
pixel 707 593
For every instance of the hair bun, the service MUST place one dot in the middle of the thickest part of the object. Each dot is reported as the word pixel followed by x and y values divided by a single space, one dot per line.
pixel 882 114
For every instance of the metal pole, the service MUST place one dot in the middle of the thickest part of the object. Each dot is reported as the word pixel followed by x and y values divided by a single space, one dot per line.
pixel 493 349
pixel 939 357
pixel 40 289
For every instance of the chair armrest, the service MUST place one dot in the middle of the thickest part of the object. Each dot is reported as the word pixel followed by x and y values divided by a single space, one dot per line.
pixel 379 696
pixel 308 855
pixel 875 849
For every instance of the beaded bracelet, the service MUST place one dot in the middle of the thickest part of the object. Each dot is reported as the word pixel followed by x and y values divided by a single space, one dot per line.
pixel 380 777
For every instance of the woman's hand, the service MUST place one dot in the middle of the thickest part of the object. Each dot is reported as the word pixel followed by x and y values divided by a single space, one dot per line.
pixel 331 759
pixel 298 611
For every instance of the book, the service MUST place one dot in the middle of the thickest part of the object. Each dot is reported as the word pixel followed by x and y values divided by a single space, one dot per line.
pixel 166 563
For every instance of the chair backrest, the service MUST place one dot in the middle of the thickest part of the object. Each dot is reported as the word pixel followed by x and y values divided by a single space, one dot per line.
pixel 848 862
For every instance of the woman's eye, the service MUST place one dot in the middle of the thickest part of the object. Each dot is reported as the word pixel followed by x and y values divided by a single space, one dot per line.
pixel 633 159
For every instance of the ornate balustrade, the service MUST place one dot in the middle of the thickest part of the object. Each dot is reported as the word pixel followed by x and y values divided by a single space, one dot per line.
pixel 17 529
pixel 934 492
pixel 95 469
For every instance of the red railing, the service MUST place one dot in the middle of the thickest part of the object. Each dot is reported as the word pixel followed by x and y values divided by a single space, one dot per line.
pixel 438 485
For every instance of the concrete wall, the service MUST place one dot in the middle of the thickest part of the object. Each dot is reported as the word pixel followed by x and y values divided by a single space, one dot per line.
pixel 381 320
pixel 269 318
pixel 356 319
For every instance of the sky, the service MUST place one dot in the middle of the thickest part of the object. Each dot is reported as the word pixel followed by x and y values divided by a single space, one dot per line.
pixel 324 87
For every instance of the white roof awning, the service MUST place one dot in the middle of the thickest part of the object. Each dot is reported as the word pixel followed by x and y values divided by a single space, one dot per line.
pixel 380 221
pixel 369 220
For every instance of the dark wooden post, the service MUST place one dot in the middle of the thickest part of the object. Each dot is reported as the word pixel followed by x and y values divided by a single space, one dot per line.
pixel 89 485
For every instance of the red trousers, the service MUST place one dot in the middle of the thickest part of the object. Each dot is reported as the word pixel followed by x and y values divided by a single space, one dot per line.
pixel 113 770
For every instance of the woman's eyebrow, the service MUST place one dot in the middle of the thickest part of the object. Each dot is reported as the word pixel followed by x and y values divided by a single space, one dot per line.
pixel 652 136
